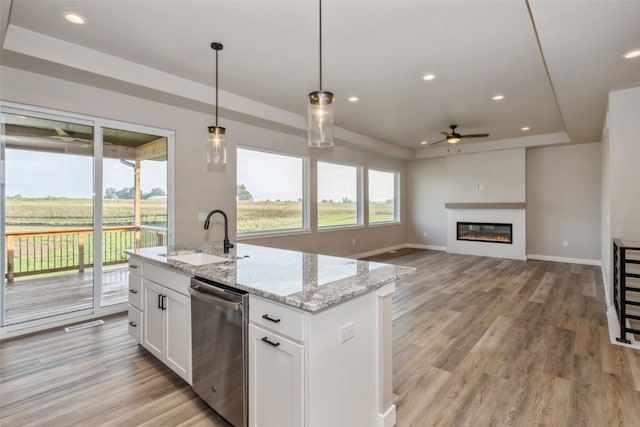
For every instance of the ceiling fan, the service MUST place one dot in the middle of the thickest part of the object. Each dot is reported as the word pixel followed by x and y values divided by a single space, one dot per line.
pixel 454 138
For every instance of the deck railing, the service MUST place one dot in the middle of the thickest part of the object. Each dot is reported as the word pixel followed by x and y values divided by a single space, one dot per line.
pixel 31 253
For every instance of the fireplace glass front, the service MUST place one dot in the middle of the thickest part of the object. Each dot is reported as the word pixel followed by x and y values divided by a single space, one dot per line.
pixel 484 232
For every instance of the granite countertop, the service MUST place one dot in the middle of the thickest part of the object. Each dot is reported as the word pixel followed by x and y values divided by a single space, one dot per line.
pixel 307 281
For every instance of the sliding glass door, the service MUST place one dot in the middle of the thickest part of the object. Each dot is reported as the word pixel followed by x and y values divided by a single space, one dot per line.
pixel 48 217
pixel 134 202
pixel 75 192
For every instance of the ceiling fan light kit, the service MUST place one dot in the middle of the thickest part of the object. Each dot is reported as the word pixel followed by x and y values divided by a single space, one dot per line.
pixel 216 143
pixel 320 109
pixel 453 137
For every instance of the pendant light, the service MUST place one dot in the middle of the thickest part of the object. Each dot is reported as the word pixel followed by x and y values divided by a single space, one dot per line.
pixel 217 143
pixel 320 110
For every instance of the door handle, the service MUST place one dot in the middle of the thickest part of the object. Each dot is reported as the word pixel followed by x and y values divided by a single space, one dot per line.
pixel 133 324
pixel 160 301
pixel 133 291
pixel 164 302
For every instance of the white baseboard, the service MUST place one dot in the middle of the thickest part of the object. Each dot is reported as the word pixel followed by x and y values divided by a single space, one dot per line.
pixel 595 262
pixel 614 330
pixel 606 284
pixel 388 419
pixel 430 247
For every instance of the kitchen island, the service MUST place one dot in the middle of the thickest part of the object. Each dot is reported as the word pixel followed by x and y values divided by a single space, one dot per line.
pixel 319 330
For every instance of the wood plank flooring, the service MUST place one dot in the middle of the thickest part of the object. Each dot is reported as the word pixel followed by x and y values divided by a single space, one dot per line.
pixel 477 342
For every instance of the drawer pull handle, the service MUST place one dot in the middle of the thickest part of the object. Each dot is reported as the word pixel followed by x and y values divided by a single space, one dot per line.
pixel 133 324
pixel 133 291
pixel 268 341
pixel 133 266
pixel 269 318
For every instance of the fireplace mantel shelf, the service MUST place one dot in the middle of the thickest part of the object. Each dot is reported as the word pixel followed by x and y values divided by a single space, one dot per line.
pixel 480 205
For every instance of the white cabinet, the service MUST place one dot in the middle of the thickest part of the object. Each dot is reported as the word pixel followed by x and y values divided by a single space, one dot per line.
pixel 160 314
pixel 167 327
pixel 275 380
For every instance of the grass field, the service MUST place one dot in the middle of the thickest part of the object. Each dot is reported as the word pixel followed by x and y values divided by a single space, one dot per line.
pixel 257 216
pixel 27 214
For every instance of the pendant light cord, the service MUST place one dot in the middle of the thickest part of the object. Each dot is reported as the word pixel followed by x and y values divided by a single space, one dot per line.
pixel 320 19
pixel 216 88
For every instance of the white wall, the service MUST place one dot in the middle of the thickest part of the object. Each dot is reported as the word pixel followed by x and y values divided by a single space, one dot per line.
pixel 426 196
pixel 624 164
pixel 501 175
pixel 563 201
pixel 197 190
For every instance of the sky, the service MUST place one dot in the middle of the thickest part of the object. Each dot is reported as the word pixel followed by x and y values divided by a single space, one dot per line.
pixel 334 181
pixel 40 174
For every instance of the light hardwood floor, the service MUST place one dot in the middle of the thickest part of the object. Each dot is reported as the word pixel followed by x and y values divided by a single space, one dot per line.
pixel 477 342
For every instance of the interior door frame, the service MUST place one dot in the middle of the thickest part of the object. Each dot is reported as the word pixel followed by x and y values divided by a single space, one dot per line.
pixel 98 125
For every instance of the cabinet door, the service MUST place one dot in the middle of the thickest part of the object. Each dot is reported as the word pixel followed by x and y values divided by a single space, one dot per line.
pixel 178 337
pixel 275 380
pixel 153 336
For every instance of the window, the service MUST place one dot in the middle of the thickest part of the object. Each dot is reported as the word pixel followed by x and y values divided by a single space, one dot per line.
pixel 338 201
pixel 383 190
pixel 270 192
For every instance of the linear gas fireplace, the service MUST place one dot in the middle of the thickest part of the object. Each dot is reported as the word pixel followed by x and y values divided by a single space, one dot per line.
pixel 485 232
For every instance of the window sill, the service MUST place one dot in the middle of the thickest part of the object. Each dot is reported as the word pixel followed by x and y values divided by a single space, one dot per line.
pixel 339 228
pixel 267 234
pixel 385 223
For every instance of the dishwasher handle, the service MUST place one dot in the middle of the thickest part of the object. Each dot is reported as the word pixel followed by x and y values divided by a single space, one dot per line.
pixel 213 299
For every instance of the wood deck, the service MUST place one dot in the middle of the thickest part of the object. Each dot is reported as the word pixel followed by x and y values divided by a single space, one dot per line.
pixel 36 298
pixel 477 342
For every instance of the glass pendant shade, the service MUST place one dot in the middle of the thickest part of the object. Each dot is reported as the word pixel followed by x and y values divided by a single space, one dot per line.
pixel 320 119
pixel 217 149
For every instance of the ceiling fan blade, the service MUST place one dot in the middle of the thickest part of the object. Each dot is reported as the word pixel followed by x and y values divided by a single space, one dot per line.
pixel 438 142
pixel 475 135
pixel 445 133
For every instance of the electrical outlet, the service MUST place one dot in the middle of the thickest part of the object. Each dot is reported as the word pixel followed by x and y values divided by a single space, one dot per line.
pixel 565 243
pixel 353 241
pixel 202 216
pixel 424 234
pixel 347 332
pixel 479 186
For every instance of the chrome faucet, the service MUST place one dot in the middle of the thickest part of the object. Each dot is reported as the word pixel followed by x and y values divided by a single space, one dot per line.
pixel 227 243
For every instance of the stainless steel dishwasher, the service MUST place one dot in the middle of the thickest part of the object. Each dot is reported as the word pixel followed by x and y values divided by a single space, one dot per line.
pixel 219 317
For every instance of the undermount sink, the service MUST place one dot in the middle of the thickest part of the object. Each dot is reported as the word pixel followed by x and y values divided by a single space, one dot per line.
pixel 198 258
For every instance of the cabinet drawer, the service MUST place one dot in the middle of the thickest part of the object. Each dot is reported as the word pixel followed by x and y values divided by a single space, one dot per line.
pixel 168 278
pixel 284 320
pixel 135 324
pixel 136 266
pixel 135 291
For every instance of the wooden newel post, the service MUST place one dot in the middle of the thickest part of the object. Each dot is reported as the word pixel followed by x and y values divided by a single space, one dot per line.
pixel 10 259
pixel 81 253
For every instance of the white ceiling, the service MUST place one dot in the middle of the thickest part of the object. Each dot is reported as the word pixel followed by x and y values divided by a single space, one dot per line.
pixel 554 61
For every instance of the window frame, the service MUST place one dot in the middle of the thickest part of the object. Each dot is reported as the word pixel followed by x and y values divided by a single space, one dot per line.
pixel 359 195
pixel 396 199
pixel 305 228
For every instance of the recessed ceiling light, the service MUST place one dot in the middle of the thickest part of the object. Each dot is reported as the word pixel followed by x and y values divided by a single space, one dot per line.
pixel 429 76
pixel 424 142
pixel 498 97
pixel 353 98
pixel 526 128
pixel 632 54
pixel 74 18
